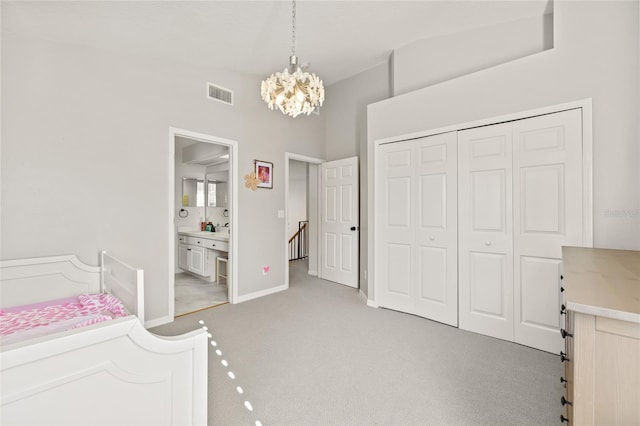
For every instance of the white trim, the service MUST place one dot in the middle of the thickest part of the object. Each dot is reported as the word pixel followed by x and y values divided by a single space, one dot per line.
pixel 587 169
pixel 311 160
pixel 584 103
pixel 372 304
pixel 362 295
pixel 587 172
pixel 313 272
pixel 233 237
pixel 261 293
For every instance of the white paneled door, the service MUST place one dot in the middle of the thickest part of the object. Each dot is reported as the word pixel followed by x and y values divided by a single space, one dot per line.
pixel 416 208
pixel 547 210
pixel 485 230
pixel 340 221
pixel 520 200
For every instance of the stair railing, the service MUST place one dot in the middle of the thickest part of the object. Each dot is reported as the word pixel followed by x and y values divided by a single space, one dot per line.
pixel 298 243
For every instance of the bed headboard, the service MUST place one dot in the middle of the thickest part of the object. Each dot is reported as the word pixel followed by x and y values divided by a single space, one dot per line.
pixel 125 282
pixel 38 279
pixel 25 281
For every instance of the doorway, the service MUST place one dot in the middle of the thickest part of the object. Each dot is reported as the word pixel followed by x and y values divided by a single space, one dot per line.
pixel 203 215
pixel 333 215
pixel 302 212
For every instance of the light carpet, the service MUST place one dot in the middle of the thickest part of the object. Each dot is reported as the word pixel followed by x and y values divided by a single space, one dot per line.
pixel 316 354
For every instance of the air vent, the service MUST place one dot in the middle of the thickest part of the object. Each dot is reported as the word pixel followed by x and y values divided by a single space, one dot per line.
pixel 219 93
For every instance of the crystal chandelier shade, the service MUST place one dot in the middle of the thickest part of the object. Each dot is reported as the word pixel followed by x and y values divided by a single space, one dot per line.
pixel 293 91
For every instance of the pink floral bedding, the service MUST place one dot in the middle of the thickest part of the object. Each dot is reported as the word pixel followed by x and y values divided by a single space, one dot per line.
pixel 73 312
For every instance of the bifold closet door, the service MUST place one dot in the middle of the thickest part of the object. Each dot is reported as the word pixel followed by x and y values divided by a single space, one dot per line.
pixel 485 230
pixel 520 200
pixel 416 208
pixel 547 210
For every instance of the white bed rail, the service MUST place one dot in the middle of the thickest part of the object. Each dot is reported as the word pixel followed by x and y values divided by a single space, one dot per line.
pixel 124 282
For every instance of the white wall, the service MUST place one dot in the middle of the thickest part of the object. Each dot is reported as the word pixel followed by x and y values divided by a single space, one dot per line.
pixel 595 55
pixel 345 113
pixel 85 158
pixel 297 202
pixel 433 60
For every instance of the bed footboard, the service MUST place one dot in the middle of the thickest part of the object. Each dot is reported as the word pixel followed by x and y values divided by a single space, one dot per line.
pixel 116 375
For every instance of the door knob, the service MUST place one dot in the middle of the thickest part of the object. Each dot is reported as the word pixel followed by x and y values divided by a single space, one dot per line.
pixel 354 228
pixel 432 238
pixel 487 243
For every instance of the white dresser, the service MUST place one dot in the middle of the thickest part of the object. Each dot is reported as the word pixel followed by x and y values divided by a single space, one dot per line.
pixel 602 336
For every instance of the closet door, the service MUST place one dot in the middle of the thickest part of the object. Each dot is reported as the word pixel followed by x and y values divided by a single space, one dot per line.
pixel 485 230
pixel 436 228
pixel 395 250
pixel 547 185
pixel 416 250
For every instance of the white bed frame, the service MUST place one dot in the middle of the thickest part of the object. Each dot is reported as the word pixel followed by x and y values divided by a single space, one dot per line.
pixel 111 373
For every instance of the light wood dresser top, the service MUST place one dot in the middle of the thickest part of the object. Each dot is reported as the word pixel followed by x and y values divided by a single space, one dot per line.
pixel 603 282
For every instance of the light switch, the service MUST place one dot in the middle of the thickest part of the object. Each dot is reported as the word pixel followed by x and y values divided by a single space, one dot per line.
pixel 280 214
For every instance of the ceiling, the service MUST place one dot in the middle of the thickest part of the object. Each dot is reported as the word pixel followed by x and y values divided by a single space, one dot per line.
pixel 338 38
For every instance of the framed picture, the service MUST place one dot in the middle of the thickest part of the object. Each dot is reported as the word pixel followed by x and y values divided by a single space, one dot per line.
pixel 264 174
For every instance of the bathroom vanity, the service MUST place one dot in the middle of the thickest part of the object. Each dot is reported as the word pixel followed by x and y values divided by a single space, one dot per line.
pixel 199 250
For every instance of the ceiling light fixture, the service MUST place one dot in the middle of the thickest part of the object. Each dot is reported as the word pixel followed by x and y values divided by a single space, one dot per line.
pixel 293 91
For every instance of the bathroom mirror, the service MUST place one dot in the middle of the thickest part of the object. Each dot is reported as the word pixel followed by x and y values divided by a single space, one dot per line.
pixel 192 192
pixel 216 193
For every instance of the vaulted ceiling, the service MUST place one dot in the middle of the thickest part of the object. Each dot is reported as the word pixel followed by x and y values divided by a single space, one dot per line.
pixel 338 38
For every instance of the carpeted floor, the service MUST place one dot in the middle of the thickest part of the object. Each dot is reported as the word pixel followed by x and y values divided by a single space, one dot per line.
pixel 316 355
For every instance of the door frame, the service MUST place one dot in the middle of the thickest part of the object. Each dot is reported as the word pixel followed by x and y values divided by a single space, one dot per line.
pixel 311 160
pixel 233 220
pixel 587 171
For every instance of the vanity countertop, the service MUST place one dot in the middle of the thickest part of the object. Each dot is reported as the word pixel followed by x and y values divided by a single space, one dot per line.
pixel 220 236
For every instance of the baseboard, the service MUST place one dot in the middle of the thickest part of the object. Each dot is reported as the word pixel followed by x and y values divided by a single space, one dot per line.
pixel 369 303
pixel 314 273
pixel 156 322
pixel 260 293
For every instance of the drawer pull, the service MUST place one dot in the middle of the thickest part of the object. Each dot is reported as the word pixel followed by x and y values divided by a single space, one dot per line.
pixel 563 419
pixel 563 357
pixel 565 402
pixel 563 380
pixel 564 333
pixel 563 309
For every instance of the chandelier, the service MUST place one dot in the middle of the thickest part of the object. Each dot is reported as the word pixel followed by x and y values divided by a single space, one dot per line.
pixel 293 91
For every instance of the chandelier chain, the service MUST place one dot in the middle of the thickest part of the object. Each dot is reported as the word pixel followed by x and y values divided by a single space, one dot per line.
pixel 293 26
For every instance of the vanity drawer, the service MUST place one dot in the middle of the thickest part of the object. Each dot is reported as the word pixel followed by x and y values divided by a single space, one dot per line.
pixel 216 245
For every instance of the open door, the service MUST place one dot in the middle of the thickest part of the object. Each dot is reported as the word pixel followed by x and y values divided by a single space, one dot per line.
pixel 339 226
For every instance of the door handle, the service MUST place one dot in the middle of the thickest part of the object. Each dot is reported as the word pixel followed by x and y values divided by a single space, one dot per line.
pixel 354 228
